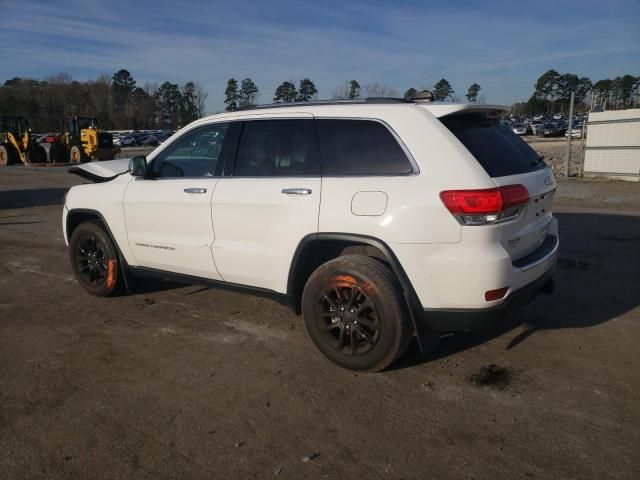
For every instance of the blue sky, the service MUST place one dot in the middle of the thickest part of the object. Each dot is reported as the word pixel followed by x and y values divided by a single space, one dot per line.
pixel 502 45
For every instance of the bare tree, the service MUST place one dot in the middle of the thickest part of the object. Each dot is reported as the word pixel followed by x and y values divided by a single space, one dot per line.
pixel 341 92
pixel 201 98
pixel 376 90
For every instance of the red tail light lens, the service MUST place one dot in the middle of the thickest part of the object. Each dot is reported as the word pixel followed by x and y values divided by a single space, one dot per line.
pixel 513 195
pixel 492 295
pixel 472 201
pixel 485 206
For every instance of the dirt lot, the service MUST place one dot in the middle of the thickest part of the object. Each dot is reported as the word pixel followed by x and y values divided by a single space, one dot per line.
pixel 186 382
pixel 554 151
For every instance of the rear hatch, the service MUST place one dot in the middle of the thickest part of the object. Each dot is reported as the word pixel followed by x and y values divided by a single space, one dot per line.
pixel 509 160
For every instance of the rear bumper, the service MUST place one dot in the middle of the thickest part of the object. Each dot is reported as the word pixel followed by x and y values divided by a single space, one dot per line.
pixel 440 320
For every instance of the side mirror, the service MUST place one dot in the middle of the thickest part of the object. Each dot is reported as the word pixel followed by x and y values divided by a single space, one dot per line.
pixel 138 166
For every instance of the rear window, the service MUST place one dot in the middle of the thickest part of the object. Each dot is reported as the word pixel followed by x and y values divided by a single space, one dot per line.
pixel 360 147
pixel 500 151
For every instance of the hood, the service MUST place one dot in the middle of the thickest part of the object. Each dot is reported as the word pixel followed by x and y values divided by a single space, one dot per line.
pixel 101 171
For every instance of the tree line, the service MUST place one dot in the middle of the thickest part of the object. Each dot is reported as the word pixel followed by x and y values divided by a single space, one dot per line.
pixel 117 102
pixel 552 93
pixel 246 94
pixel 120 103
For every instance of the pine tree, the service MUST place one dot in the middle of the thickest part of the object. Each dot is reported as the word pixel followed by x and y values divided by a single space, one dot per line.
pixel 354 90
pixel 307 90
pixel 188 107
pixel 410 94
pixel 122 85
pixel 248 93
pixel 169 101
pixel 472 92
pixel 442 90
pixel 286 93
pixel 123 81
pixel 231 95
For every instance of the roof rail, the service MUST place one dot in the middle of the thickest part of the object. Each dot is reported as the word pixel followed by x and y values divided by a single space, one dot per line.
pixel 361 101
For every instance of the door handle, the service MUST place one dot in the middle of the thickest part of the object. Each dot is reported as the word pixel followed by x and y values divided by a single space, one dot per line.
pixel 296 191
pixel 195 190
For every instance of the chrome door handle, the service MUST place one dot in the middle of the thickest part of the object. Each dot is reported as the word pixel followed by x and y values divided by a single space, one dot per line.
pixel 195 190
pixel 296 191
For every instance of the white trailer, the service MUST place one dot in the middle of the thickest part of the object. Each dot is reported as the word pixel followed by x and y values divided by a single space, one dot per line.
pixel 613 144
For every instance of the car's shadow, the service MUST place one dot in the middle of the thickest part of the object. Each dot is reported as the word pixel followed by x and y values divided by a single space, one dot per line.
pixel 41 197
pixel 598 279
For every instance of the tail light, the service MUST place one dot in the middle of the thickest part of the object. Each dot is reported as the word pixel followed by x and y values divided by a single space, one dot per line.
pixel 481 207
pixel 492 295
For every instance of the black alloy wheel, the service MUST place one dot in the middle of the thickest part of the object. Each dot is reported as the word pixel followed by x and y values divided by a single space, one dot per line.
pixel 94 259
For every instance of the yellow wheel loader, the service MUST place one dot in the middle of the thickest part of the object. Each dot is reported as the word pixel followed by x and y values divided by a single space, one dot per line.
pixel 16 142
pixel 83 142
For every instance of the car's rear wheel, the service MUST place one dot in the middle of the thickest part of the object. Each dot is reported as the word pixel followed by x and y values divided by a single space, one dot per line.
pixel 94 259
pixel 355 313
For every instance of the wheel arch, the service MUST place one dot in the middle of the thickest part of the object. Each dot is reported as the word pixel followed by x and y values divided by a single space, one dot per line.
pixel 316 249
pixel 77 216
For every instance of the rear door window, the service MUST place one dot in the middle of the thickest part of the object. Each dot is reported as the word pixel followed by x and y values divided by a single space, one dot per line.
pixel 277 148
pixel 500 151
pixel 360 147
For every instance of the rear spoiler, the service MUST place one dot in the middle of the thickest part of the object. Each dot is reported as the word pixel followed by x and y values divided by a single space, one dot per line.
pixel 446 109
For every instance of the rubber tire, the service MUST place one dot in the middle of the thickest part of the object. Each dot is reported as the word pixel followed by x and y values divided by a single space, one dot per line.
pixel 383 289
pixel 7 155
pixel 93 227
pixel 75 153
pixel 38 155
pixel 42 154
pixel 57 153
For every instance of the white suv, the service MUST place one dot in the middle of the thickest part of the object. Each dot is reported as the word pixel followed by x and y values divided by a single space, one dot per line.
pixel 377 220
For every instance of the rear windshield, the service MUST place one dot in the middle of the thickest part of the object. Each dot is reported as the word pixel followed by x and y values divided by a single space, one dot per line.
pixel 500 151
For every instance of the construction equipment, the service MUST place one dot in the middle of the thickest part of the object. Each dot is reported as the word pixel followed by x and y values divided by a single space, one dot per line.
pixel 16 142
pixel 83 142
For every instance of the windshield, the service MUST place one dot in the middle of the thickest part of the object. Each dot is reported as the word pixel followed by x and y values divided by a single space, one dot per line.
pixel 84 123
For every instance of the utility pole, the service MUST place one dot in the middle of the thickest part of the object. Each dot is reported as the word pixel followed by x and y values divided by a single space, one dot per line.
pixel 566 162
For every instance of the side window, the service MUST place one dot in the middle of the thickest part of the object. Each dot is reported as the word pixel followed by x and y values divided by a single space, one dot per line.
pixel 277 148
pixel 360 147
pixel 194 154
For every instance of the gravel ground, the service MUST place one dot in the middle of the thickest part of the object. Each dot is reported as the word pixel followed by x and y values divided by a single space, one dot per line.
pixel 554 151
pixel 187 382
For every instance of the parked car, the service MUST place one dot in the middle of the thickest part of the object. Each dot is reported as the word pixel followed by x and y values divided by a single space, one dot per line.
pixel 128 141
pixel 150 141
pixel 362 216
pixel 548 130
pixel 519 129
pixel 536 127
pixel 164 136
pixel 51 137
pixel 576 132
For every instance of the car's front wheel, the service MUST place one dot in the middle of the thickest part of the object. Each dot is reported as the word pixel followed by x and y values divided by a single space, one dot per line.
pixel 94 259
pixel 355 313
